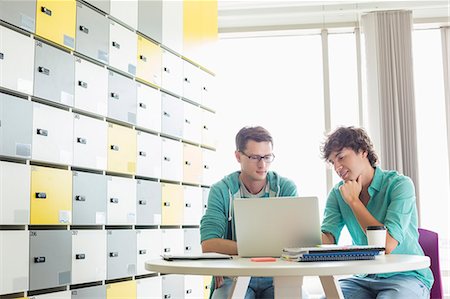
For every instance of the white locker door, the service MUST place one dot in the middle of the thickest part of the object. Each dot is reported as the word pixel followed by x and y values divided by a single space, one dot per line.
pixel 193 286
pixel 192 127
pixel 52 135
pixel 193 201
pixel 88 256
pixel 172 159
pixel 208 177
pixel 205 195
pixel 90 142
pixel 172 70
pixel 15 180
pixel 125 11
pixel 172 241
pixel 148 248
pixel 14 256
pixel 192 86
pixel 149 288
pixel 122 48
pixel 121 201
pixel 57 295
pixel 16 61
pixel 148 155
pixel 148 108
pixel 192 241
pixel 207 90
pixel 172 25
pixel 208 129
pixel 91 87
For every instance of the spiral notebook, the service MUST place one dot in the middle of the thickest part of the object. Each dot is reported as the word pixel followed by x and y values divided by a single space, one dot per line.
pixel 331 253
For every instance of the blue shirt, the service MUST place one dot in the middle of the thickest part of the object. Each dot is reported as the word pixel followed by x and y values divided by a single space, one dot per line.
pixel 393 203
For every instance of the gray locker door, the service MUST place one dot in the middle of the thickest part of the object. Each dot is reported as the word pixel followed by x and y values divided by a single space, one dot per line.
pixel 16 126
pixel 122 102
pixel 148 203
pixel 97 292
pixel 192 241
pixel 89 199
pixel 54 74
pixel 103 5
pixel 121 253
pixel 50 258
pixel 19 13
pixel 172 286
pixel 150 19
pixel 92 34
pixel 172 120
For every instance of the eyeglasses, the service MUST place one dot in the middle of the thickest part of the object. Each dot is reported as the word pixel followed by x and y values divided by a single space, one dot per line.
pixel 256 158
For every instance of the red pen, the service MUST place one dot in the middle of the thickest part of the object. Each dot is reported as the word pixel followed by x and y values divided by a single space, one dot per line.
pixel 263 259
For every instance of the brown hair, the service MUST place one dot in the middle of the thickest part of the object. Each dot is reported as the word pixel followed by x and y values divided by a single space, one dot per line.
pixel 258 134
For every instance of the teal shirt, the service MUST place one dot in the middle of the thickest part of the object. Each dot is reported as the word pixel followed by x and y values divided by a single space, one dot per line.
pixel 393 203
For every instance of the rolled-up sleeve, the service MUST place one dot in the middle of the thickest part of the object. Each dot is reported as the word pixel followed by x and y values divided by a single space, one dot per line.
pixel 332 219
pixel 214 222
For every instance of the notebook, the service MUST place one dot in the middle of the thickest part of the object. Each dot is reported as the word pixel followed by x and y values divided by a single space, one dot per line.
pixel 201 256
pixel 264 226
pixel 331 253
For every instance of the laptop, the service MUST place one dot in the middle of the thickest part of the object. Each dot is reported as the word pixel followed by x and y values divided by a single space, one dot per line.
pixel 264 226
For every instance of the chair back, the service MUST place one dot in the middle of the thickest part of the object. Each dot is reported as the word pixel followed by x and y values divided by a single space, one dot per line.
pixel 429 241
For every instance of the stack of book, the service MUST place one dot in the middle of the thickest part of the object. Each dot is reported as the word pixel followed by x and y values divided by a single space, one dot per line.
pixel 331 253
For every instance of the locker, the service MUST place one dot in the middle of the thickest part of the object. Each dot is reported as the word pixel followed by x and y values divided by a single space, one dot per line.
pixel 148 248
pixel 171 75
pixel 121 290
pixel 172 25
pixel 122 94
pixel 54 74
pixel 56 295
pixel 50 265
pixel 172 116
pixel 193 202
pixel 14 251
pixel 192 241
pixel 89 198
pixel 209 176
pixel 207 90
pixel 149 61
pixel 150 19
pixel 193 286
pixel 148 155
pixel 192 164
pixel 121 199
pixel 206 286
pixel 148 208
pixel 172 153
pixel 56 20
pixel 172 286
pixel 16 119
pixel 21 14
pixel 92 34
pixel 14 193
pixel 89 142
pixel 52 135
pixel 208 129
pixel 121 149
pixel 192 82
pixel 91 87
pixel 172 204
pixel 149 287
pixel 148 108
pixel 121 253
pixel 205 195
pixel 192 125
pixel 103 5
pixel 97 292
pixel 16 60
pixel 125 11
pixel 51 196
pixel 172 241
pixel 122 48
pixel 88 256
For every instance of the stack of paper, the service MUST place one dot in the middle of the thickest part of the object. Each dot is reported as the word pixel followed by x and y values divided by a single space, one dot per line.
pixel 331 253
pixel 201 256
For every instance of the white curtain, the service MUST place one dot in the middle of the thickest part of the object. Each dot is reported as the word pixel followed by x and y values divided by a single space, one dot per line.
pixel 445 33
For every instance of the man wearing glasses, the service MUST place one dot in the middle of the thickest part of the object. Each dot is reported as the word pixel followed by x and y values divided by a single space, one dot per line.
pixel 254 154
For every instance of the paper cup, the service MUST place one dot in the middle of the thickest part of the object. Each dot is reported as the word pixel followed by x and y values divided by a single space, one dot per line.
pixel 376 236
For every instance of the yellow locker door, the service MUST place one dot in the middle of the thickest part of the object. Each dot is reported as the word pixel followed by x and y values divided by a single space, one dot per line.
pixel 121 149
pixel 172 204
pixel 206 286
pixel 56 21
pixel 121 290
pixel 192 165
pixel 51 196
pixel 149 61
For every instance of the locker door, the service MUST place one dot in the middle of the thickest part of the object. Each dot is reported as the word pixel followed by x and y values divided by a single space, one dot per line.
pixel 16 118
pixel 92 34
pixel 148 155
pixel 172 70
pixel 21 14
pixel 121 290
pixel 51 196
pixel 172 152
pixel 103 5
pixel 121 253
pixel 121 149
pixel 206 286
pixel 208 177
pixel 49 264
pixel 54 74
pixel 172 241
pixel 122 93
pixel 148 108
pixel 14 193
pixel 16 61
pixel 90 142
pixel 149 61
pixel 88 256
pixel 172 116
pixel 89 198
pixel 193 286
pixel 52 135
pixel 148 248
pixel 207 90
pixel 192 166
pixel 122 48
pixel 208 129
pixel 91 87
pixel 56 295
pixel 172 25
pixel 172 204
pixel 14 251
pixel 172 286
pixel 149 287
pixel 125 11
pixel 193 202
pixel 148 203
pixel 192 126
pixel 150 19
pixel 121 201
pixel 97 292
pixel 55 21
pixel 191 82
pixel 205 195
pixel 192 241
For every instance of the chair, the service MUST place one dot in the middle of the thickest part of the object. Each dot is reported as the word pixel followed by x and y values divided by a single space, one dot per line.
pixel 428 240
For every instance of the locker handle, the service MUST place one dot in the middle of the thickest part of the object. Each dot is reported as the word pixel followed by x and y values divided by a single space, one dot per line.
pixel 80 198
pixel 41 195
pixel 205 166
pixel 167 159
pixel 82 84
pixel 188 247
pixel 142 251
pixel 187 121
pixel 188 205
pixel 187 80
pixel 115 95
pixel 187 163
pixel 205 206
pixel 166 249
pixel 113 254
pixel 116 45
pixel 114 200
pixel 205 88
pixel 44 70
pixel 84 29
pixel 39 259
pixel 143 58
pixel 166 114
pixel 142 105
pixel 42 132
pixel 2 56
pixel 80 256
pixel 81 140
pixel 143 154
pixel 168 296
pixel 167 70
pixel 142 202
pixel 46 11
pixel 189 291
pixel 205 127
pixel 167 204
pixel 115 147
